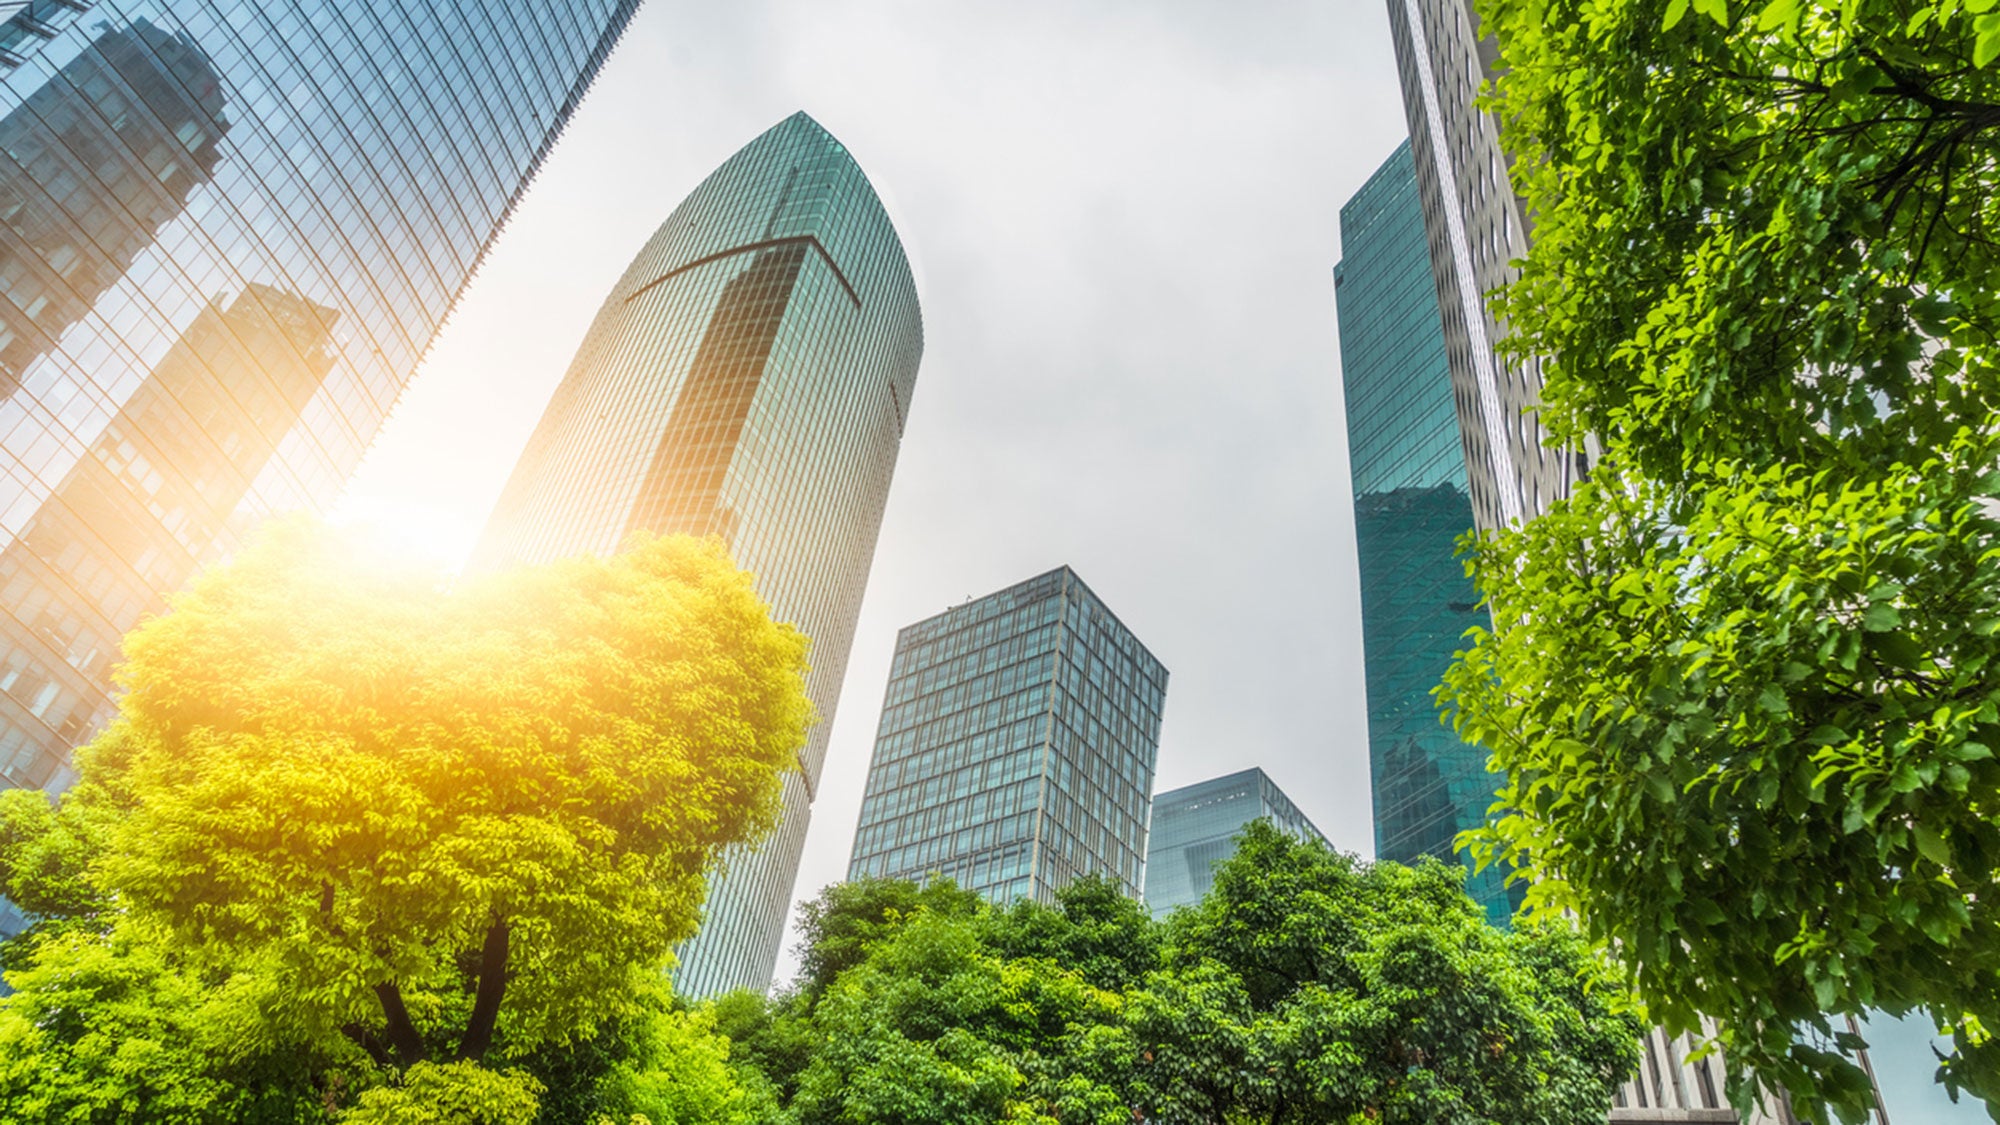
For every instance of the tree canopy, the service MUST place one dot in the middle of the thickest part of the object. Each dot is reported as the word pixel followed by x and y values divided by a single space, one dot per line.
pixel 357 817
pixel 1306 988
pixel 1741 685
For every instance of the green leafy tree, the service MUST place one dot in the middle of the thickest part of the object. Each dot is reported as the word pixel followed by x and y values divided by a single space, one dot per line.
pixel 352 817
pixel 451 1093
pixel 1305 988
pixel 847 919
pixel 1741 686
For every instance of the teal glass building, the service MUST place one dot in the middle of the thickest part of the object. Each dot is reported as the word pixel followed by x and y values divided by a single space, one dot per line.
pixel 228 231
pixel 1410 506
pixel 749 377
pixel 1196 827
pixel 1016 746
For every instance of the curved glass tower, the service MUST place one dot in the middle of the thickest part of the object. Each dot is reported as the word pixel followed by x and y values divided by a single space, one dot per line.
pixel 228 231
pixel 748 377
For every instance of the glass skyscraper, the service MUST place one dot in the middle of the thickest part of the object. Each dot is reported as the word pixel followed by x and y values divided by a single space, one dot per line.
pixel 1196 827
pixel 748 377
pixel 1410 507
pixel 228 231
pixel 1016 746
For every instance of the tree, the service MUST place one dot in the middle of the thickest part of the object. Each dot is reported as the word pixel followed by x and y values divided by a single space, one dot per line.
pixel 847 919
pixel 1741 685
pixel 416 823
pixel 1306 988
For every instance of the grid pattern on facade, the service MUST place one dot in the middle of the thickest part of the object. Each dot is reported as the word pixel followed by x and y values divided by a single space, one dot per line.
pixel 1410 507
pixel 747 377
pixel 1476 227
pixel 228 230
pixel 1196 827
pixel 1016 746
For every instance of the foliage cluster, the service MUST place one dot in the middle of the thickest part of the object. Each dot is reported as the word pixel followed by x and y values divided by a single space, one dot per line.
pixel 364 846
pixel 1306 988
pixel 1743 684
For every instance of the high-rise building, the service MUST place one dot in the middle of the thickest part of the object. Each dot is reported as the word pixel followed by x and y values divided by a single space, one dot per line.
pixel 1196 827
pixel 1016 746
pixel 1410 507
pixel 748 377
pixel 1476 227
pixel 228 230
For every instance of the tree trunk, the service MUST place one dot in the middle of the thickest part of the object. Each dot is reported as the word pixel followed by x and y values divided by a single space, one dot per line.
pixel 486 1001
pixel 402 1033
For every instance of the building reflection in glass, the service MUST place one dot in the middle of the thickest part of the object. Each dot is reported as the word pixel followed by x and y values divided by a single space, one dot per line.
pixel 228 231
pixel 150 502
pixel 1411 505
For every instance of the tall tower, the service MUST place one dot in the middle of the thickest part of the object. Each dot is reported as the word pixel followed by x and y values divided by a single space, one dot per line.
pixel 1475 226
pixel 1016 746
pixel 228 231
pixel 748 377
pixel 1410 506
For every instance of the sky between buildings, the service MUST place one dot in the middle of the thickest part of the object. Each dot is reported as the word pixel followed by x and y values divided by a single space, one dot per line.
pixel 1122 218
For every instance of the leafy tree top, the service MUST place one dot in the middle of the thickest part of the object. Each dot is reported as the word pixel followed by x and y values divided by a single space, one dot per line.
pixel 390 792
pixel 1742 685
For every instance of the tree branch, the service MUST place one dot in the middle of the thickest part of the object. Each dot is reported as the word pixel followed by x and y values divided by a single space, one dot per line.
pixel 402 1032
pixel 486 1001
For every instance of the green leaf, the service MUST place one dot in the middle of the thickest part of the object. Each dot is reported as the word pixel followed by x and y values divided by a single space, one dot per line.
pixel 1932 846
pixel 1986 45
pixel 1676 9
pixel 1881 617
pixel 1778 13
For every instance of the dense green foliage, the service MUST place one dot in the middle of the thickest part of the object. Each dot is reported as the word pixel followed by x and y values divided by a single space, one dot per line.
pixel 1742 685
pixel 1305 988
pixel 354 832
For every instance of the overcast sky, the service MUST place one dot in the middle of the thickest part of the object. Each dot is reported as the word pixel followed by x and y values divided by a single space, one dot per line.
pixel 1123 221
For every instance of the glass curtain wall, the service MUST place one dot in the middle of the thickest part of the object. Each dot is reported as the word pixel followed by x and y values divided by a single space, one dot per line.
pixel 1411 504
pixel 1016 746
pixel 228 231
pixel 748 377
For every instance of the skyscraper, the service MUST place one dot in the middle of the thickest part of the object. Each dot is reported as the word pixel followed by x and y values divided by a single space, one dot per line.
pixel 1475 226
pixel 1410 507
pixel 1197 827
pixel 1016 746
pixel 228 230
pixel 748 377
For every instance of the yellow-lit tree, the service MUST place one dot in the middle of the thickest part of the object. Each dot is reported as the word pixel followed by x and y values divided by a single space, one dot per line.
pixel 425 814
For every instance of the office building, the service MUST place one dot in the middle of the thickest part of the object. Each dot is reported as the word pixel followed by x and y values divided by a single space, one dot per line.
pixel 748 377
pixel 1475 227
pixel 1196 827
pixel 228 230
pixel 1411 505
pixel 1016 746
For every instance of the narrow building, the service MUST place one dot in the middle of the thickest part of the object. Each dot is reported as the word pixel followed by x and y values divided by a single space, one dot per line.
pixel 1411 505
pixel 1016 746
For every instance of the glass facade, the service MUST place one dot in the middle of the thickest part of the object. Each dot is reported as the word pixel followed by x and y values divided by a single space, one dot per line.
pixel 1410 507
pixel 1016 746
pixel 1196 828
pixel 748 377
pixel 228 231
